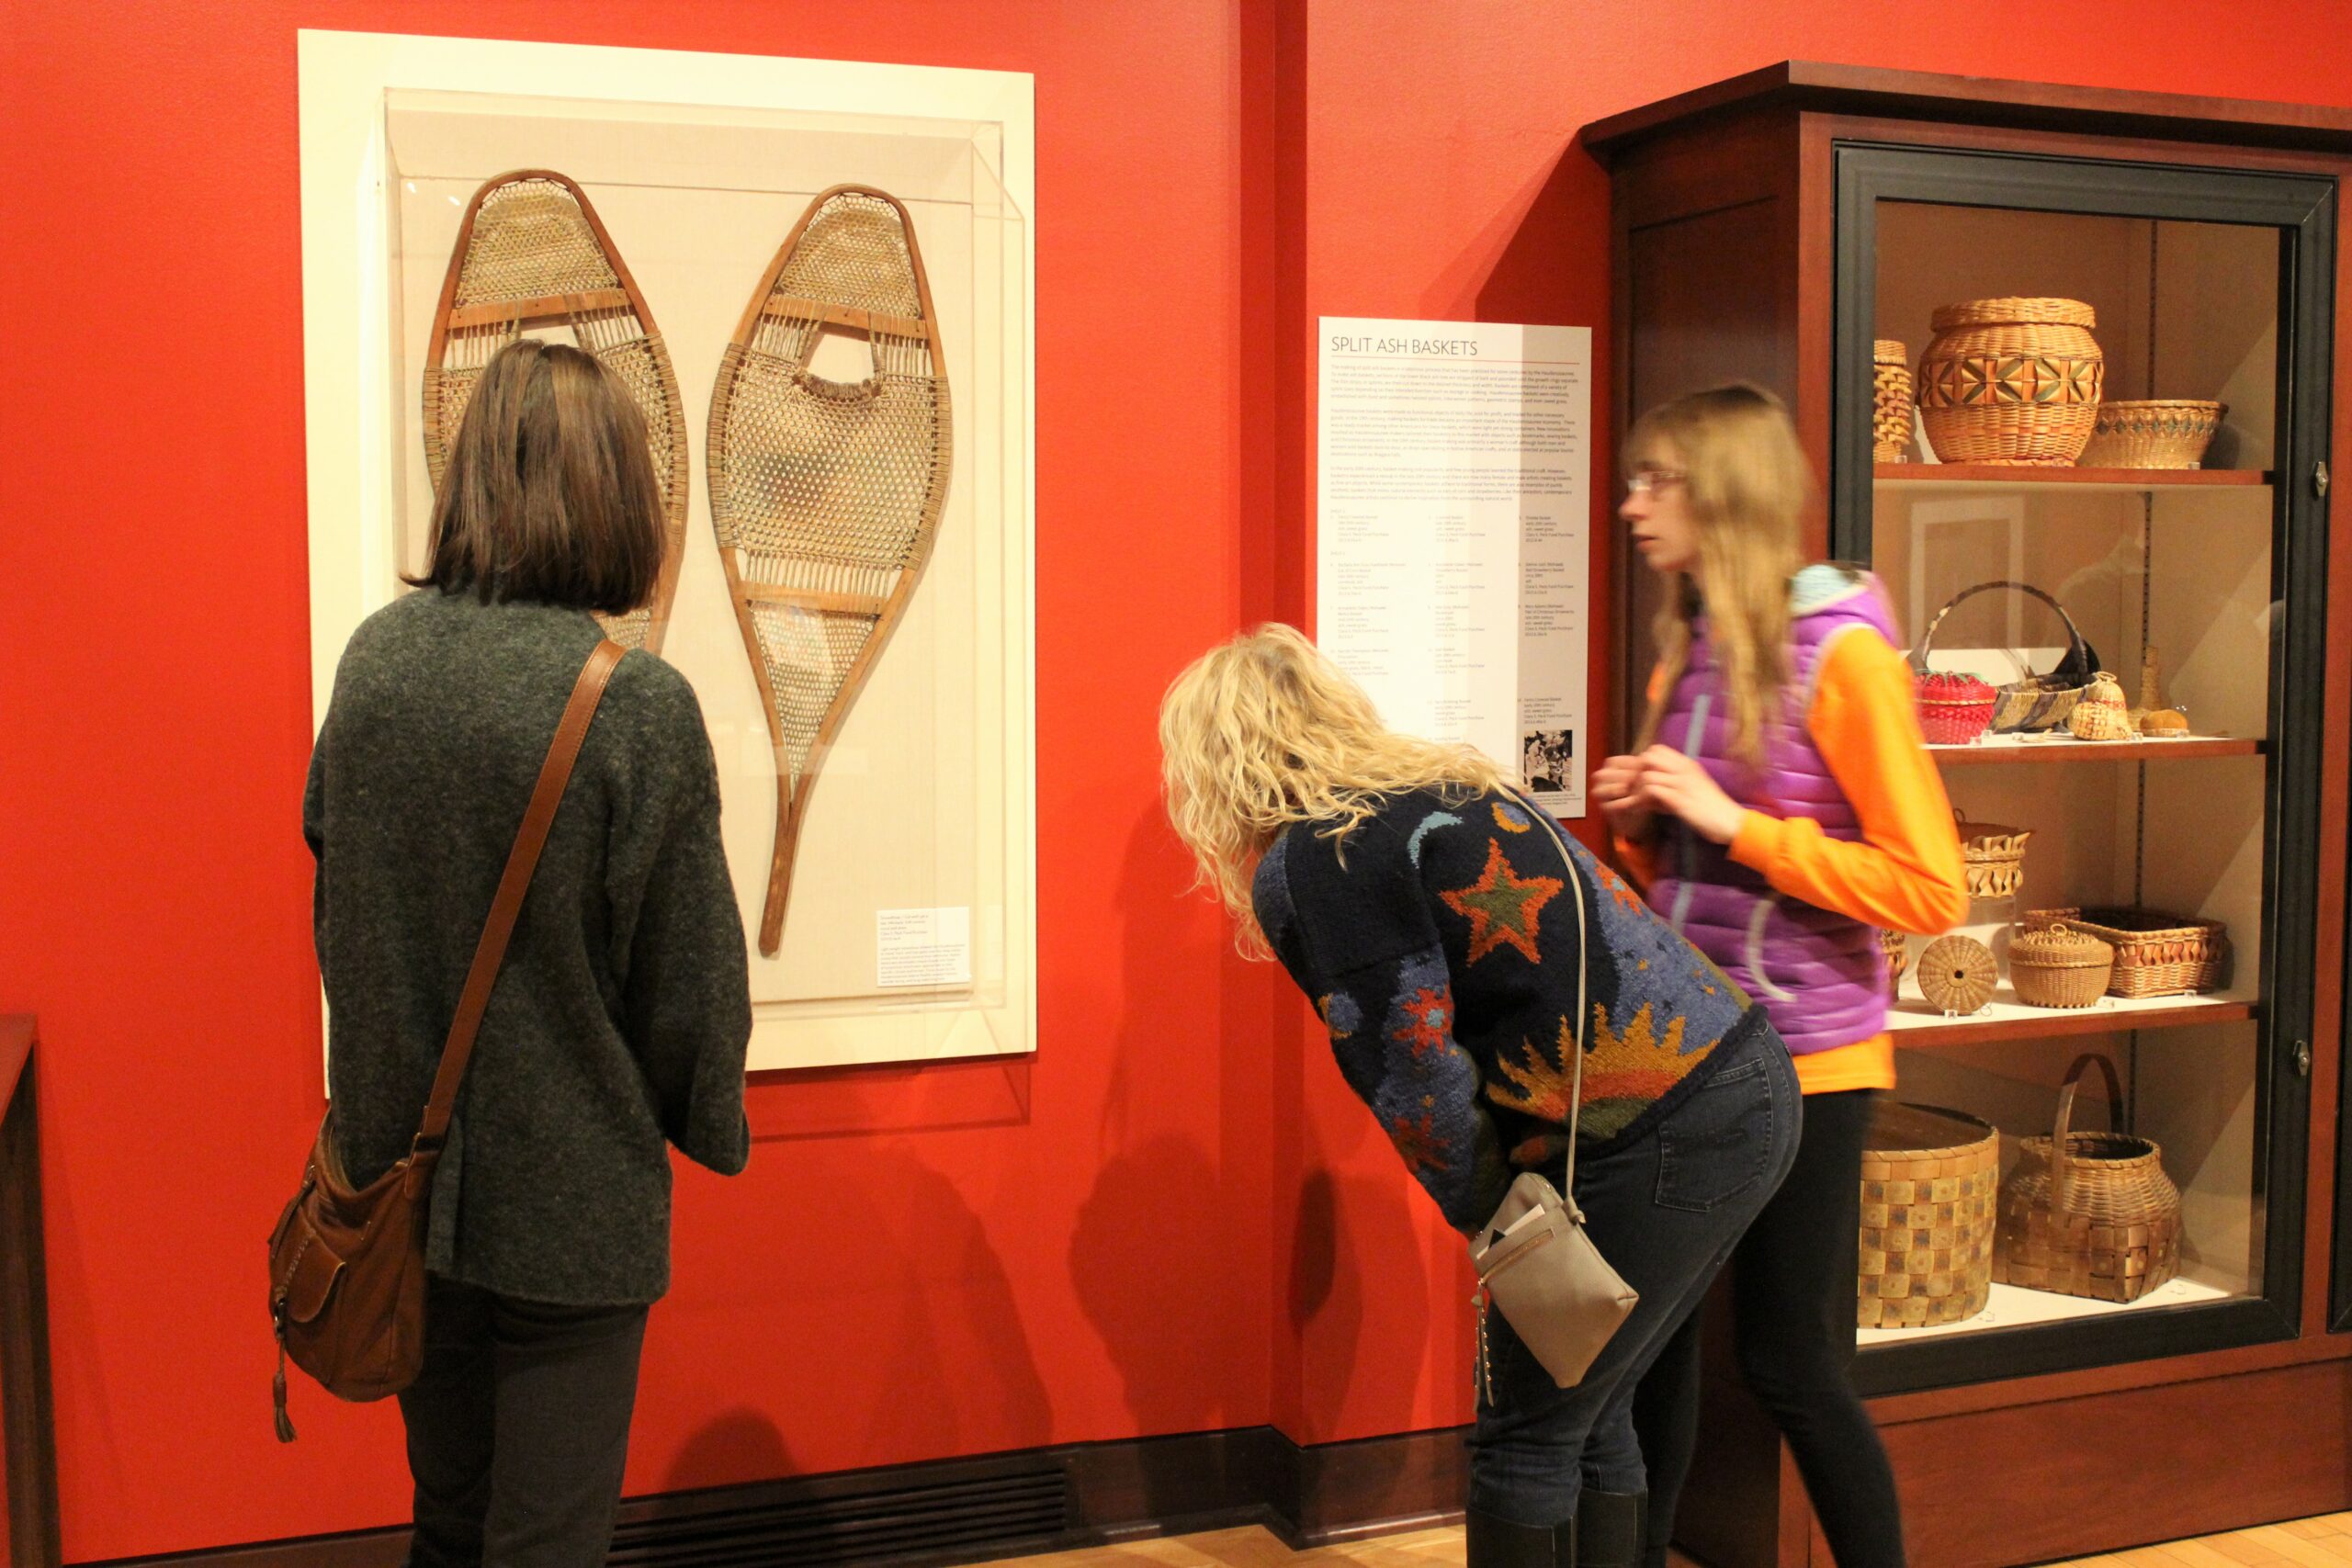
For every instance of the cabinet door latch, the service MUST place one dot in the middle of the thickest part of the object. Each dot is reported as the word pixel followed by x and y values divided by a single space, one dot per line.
pixel 2319 479
pixel 2303 1058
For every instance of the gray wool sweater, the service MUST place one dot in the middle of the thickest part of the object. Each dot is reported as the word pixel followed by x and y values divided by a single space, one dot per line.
pixel 621 1014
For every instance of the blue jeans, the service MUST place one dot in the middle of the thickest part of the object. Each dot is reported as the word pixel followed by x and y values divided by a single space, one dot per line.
pixel 1666 1210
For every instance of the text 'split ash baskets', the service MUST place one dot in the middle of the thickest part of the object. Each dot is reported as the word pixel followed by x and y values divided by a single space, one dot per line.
pixel 532 252
pixel 825 495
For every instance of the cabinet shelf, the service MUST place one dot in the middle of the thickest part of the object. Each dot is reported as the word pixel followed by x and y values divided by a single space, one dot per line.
pixel 1915 1023
pixel 1984 477
pixel 2001 750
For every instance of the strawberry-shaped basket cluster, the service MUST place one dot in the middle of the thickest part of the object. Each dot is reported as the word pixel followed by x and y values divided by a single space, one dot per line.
pixel 1953 709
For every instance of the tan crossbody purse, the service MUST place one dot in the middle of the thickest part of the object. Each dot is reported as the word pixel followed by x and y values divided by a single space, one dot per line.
pixel 1535 1260
pixel 346 1265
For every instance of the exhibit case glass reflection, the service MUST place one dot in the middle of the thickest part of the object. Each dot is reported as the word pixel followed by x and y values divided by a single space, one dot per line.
pixel 2192 833
pixel 815 279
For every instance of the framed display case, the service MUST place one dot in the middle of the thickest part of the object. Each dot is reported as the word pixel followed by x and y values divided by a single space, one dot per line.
pixel 909 929
pixel 1791 228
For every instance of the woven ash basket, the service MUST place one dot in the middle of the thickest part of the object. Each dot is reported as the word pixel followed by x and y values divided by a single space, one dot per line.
pixel 2055 966
pixel 1930 1184
pixel 2157 954
pixel 1891 400
pixel 2156 433
pixel 2011 380
pixel 2038 702
pixel 1894 945
pixel 2088 1214
pixel 1994 857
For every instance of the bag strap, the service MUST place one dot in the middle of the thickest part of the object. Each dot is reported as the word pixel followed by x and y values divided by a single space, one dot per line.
pixel 529 839
pixel 1584 975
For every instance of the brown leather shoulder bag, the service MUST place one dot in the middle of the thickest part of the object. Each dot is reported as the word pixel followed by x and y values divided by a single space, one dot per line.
pixel 346 1265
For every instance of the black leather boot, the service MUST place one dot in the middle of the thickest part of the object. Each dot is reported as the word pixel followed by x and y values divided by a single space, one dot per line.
pixel 1609 1528
pixel 1497 1542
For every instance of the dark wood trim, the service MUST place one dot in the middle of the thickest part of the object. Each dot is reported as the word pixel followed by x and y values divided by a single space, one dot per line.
pixel 965 1510
pixel 1813 86
pixel 2025 479
pixel 24 1398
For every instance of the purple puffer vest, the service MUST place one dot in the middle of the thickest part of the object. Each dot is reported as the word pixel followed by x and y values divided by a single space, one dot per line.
pixel 1818 974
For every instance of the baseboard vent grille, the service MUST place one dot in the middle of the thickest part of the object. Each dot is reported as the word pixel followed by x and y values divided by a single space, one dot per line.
pixel 900 1524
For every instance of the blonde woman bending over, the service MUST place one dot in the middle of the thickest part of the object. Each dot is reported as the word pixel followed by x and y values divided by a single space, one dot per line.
pixel 1422 906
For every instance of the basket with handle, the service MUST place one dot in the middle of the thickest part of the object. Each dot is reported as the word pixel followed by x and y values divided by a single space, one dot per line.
pixel 1929 1179
pixel 2089 1215
pixel 2038 702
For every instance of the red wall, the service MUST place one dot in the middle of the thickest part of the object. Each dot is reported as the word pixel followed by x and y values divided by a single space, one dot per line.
pixel 1114 1239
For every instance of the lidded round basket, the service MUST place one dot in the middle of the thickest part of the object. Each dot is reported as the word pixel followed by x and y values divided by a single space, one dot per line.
pixel 2153 432
pixel 2012 380
pixel 1890 400
pixel 2055 967
pixel 1929 1212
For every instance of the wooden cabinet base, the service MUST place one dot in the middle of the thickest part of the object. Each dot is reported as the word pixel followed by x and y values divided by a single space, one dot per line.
pixel 2055 1480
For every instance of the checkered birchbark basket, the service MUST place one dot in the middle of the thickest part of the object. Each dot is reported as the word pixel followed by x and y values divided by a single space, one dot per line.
pixel 2088 1214
pixel 1928 1184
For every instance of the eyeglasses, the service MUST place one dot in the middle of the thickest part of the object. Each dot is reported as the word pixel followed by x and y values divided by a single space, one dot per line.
pixel 1649 481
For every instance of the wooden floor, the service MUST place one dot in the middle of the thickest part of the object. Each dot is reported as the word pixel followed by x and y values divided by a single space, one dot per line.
pixel 2311 1543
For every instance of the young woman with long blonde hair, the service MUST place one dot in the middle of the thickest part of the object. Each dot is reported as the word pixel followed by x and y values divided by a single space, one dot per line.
pixel 1425 909
pixel 1781 807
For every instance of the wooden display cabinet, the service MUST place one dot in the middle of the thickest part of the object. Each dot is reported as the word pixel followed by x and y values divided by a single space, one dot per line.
pixel 1771 229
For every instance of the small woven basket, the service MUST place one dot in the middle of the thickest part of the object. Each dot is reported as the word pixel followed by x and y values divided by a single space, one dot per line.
pixel 1890 400
pixel 2055 967
pixel 1993 856
pixel 2101 713
pixel 2157 954
pixel 1929 1190
pixel 1894 944
pixel 1958 976
pixel 2039 702
pixel 2163 432
pixel 2011 381
pixel 2089 1213
pixel 1953 709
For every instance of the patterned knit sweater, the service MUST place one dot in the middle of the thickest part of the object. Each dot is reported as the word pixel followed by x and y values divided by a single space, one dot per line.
pixel 1437 945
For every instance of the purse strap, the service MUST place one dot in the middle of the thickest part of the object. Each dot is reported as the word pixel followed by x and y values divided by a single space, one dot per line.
pixel 529 839
pixel 1584 975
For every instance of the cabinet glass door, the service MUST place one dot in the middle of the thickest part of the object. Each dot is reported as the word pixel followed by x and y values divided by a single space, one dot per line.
pixel 2019 512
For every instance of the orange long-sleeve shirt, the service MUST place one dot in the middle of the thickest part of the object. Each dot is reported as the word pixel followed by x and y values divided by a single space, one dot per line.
pixel 1904 873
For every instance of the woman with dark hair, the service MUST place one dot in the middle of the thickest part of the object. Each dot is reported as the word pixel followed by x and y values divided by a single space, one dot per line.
pixel 620 1016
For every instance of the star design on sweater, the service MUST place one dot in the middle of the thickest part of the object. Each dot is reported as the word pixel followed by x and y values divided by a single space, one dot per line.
pixel 1418 1143
pixel 1503 908
pixel 1429 1017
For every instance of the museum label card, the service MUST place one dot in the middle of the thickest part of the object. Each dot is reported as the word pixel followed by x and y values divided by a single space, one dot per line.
pixel 923 947
pixel 1453 534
